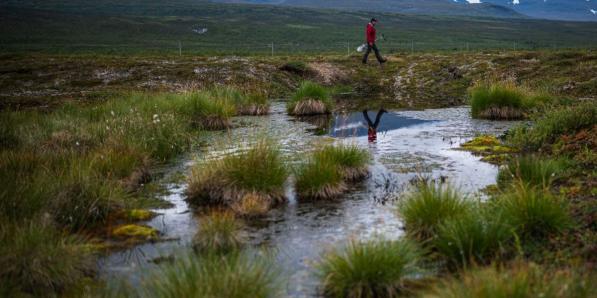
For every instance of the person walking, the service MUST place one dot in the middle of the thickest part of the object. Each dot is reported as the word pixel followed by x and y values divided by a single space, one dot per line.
pixel 371 35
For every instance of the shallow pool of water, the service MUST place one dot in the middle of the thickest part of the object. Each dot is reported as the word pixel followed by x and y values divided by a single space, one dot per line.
pixel 408 144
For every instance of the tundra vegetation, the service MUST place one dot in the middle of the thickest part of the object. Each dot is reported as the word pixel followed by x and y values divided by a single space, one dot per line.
pixel 219 232
pixel 250 182
pixel 310 99
pixel 77 172
pixel 504 101
pixel 236 274
pixel 328 170
pixel 377 268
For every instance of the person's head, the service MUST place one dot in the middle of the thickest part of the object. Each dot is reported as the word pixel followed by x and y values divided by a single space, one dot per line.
pixel 373 21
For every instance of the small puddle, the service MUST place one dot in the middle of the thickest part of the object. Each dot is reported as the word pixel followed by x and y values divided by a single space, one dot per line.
pixel 408 144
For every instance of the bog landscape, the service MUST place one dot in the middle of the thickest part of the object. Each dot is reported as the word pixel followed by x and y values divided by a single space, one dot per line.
pixel 194 148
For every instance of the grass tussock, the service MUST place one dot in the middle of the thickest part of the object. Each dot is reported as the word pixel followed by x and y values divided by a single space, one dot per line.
pixel 548 128
pixel 369 269
pixel 253 102
pixel 35 259
pixel 209 112
pixel 430 205
pixel 532 170
pixel 219 232
pixel 319 180
pixel 503 101
pixel 521 280
pixel 233 275
pixel 352 160
pixel 258 172
pixel 310 99
pixel 533 212
pixel 329 168
pixel 476 237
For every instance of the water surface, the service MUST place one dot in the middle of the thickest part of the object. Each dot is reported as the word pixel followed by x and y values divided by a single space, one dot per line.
pixel 409 144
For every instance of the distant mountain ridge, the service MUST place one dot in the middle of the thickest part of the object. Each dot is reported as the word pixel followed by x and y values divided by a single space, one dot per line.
pixel 572 10
pixel 422 7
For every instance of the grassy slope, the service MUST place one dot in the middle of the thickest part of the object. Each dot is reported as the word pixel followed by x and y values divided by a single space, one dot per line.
pixel 142 26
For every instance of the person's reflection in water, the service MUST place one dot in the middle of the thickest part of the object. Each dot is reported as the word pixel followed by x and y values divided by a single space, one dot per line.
pixel 372 130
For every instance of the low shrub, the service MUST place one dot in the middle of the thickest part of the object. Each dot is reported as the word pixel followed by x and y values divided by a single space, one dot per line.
pixel 473 238
pixel 369 269
pixel 522 280
pixel 531 170
pixel 259 171
pixel 35 259
pixel 219 232
pixel 425 209
pixel 310 99
pixel 533 212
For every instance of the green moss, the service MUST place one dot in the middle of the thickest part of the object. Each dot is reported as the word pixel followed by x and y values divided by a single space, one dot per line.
pixel 139 214
pixel 484 140
pixel 492 150
pixel 135 232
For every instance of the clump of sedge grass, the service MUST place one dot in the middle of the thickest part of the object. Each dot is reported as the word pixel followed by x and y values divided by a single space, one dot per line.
pixel 351 160
pixel 259 171
pixel 233 275
pixel 504 101
pixel 425 209
pixel 219 232
pixel 533 212
pixel 531 170
pixel 473 238
pixel 319 180
pixel 211 113
pixel 253 104
pixel 35 259
pixel 521 280
pixel 369 269
pixel 325 175
pixel 551 126
pixel 497 101
pixel 310 99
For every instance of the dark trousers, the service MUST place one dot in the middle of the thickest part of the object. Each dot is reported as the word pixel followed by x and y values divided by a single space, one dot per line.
pixel 377 54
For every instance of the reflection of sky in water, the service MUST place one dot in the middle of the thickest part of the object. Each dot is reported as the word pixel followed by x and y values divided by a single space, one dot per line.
pixel 409 143
pixel 354 124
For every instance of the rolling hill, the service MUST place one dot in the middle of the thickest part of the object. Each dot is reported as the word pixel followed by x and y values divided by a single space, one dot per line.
pixel 573 10
pixel 423 7
pixel 201 27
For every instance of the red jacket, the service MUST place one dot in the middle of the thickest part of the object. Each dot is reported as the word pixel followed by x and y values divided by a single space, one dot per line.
pixel 370 33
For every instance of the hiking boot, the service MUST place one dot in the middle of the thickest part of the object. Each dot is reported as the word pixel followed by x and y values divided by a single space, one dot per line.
pixel 383 61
